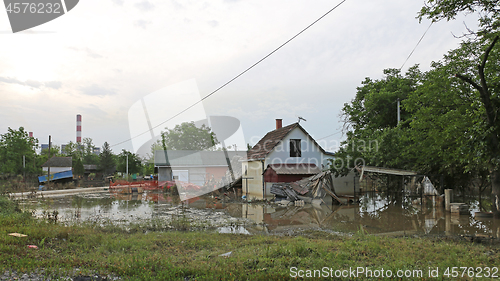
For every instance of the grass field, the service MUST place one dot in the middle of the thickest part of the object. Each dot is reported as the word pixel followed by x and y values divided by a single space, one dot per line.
pixel 140 254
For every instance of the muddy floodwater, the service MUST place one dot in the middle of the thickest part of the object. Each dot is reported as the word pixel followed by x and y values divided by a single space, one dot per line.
pixel 374 214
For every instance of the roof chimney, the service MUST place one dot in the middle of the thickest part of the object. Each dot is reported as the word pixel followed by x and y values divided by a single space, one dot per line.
pixel 279 123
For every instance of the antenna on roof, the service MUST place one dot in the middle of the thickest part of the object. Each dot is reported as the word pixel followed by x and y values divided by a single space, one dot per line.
pixel 300 118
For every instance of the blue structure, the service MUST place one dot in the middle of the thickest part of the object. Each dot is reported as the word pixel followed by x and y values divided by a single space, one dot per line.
pixel 66 175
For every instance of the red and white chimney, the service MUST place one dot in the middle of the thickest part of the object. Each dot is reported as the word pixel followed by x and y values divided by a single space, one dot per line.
pixel 279 123
pixel 78 128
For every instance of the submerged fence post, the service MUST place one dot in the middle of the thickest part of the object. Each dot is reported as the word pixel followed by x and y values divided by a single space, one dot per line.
pixel 448 198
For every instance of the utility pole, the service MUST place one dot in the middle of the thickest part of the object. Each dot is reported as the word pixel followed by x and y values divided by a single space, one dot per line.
pixel 399 114
pixel 127 168
pixel 48 161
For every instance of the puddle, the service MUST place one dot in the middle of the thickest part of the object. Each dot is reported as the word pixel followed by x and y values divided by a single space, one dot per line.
pixel 374 215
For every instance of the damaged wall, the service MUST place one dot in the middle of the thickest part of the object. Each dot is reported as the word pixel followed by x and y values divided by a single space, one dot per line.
pixel 345 185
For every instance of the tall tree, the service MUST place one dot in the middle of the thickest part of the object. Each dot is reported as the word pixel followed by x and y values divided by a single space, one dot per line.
pixel 107 162
pixel 484 76
pixel 13 146
pixel 370 122
pixel 88 156
pixel 134 162
pixel 78 168
pixel 187 136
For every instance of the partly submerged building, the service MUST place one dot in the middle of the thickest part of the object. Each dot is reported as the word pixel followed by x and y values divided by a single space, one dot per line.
pixel 197 167
pixel 283 155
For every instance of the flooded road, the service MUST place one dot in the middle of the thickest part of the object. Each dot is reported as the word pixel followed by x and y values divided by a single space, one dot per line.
pixel 374 215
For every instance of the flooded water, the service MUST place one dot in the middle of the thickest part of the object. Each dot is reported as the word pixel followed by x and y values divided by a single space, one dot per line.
pixel 374 214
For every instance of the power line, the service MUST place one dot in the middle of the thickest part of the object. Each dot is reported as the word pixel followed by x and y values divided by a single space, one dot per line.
pixel 236 77
pixel 416 45
pixel 330 135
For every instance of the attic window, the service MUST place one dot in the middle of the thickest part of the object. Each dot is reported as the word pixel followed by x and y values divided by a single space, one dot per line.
pixel 295 148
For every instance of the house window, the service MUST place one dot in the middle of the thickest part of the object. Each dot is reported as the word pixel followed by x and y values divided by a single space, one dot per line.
pixel 295 148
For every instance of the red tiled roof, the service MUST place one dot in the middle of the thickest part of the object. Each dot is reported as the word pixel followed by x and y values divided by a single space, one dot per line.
pixel 269 141
pixel 272 139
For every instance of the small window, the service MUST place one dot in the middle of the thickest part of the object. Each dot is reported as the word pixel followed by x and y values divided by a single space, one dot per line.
pixel 295 148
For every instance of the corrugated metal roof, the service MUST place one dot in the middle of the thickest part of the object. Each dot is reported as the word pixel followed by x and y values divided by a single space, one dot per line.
pixel 390 171
pixel 194 157
pixel 294 169
pixel 58 162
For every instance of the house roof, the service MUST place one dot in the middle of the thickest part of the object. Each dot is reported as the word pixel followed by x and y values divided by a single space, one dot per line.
pixel 58 162
pixel 294 169
pixel 194 157
pixel 272 139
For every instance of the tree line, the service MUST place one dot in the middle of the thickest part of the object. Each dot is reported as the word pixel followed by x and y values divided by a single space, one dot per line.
pixel 18 156
pixel 18 152
pixel 449 115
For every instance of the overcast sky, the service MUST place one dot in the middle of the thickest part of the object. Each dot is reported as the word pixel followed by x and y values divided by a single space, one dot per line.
pixel 103 56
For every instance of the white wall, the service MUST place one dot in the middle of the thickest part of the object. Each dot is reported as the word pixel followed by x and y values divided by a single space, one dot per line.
pixel 345 185
pixel 311 153
pixel 54 170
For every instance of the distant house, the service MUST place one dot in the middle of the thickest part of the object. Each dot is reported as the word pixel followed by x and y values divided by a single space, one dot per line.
pixel 197 167
pixel 57 164
pixel 285 154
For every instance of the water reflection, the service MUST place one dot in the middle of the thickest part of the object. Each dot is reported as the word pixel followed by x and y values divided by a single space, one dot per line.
pixel 375 214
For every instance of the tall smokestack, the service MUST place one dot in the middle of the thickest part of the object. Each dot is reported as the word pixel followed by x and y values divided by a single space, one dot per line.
pixel 279 123
pixel 78 128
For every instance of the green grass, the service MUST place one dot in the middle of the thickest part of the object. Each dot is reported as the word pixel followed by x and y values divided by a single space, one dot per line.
pixel 176 255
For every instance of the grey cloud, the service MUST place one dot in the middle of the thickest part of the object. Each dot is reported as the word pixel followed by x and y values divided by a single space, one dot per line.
pixel 118 2
pixel 95 90
pixel 177 5
pixel 11 81
pixel 32 83
pixel 92 54
pixel 144 5
pixel 53 84
pixel 213 23
pixel 142 23
pixel 87 51
pixel 92 109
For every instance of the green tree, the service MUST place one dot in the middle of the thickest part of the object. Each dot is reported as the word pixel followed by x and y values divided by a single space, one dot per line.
pixel 88 156
pixel 483 77
pixel 370 122
pixel 107 161
pixel 444 126
pixel 13 146
pixel 187 136
pixel 78 168
pixel 134 162
pixel 73 150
